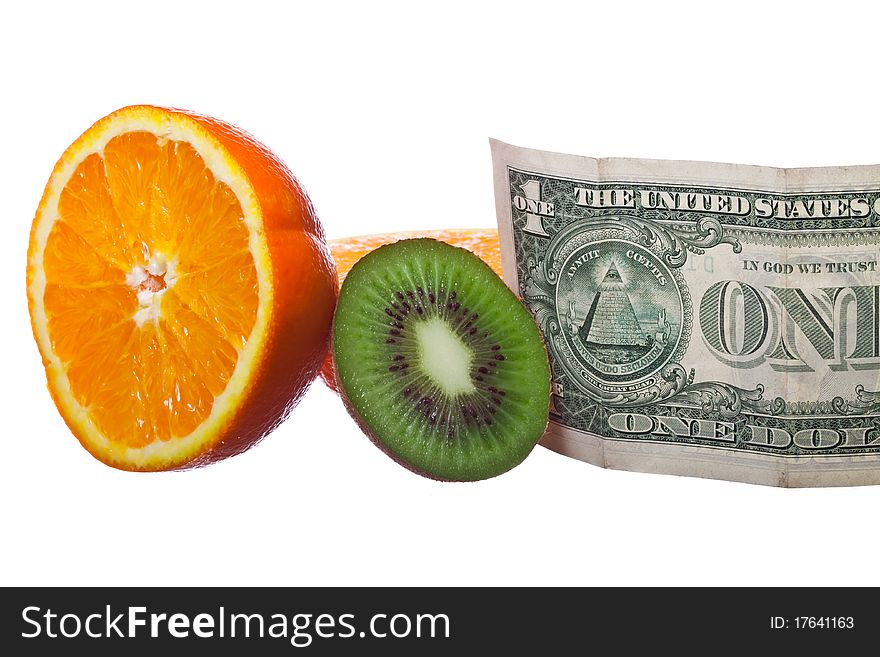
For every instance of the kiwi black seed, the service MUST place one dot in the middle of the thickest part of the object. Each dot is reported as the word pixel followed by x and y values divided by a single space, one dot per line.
pixel 438 361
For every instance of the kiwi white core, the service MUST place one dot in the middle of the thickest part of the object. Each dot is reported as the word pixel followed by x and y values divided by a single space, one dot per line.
pixel 445 358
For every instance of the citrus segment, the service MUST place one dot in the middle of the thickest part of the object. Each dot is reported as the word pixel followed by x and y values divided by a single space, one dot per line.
pixel 179 287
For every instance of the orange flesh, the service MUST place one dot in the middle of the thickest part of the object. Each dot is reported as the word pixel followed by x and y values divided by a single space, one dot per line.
pixel 481 241
pixel 140 198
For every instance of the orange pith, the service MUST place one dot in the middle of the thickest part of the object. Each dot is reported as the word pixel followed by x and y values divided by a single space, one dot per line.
pixel 179 288
pixel 347 251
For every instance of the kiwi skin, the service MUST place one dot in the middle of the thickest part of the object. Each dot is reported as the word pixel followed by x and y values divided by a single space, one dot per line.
pixel 366 429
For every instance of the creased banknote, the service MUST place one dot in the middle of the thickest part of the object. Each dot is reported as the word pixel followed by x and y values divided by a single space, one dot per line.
pixel 702 319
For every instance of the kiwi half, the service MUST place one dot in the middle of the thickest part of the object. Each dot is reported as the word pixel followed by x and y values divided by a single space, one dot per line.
pixel 438 361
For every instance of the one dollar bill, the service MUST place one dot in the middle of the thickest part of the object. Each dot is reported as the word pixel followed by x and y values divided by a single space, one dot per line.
pixel 702 319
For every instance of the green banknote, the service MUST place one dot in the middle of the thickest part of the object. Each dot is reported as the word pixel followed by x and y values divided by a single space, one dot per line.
pixel 702 319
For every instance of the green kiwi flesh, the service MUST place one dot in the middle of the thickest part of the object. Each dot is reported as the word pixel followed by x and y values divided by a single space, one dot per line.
pixel 439 362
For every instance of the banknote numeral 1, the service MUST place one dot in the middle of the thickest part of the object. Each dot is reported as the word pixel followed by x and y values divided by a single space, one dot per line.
pixel 535 208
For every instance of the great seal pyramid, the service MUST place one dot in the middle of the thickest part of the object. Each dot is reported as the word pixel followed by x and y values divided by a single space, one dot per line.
pixel 611 319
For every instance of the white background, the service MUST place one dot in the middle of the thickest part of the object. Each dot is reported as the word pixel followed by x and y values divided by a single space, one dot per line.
pixel 384 112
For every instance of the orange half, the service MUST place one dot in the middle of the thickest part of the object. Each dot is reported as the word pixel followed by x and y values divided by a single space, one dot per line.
pixel 179 286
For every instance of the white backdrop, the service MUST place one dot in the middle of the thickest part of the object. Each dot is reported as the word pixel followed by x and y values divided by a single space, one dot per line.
pixel 383 111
